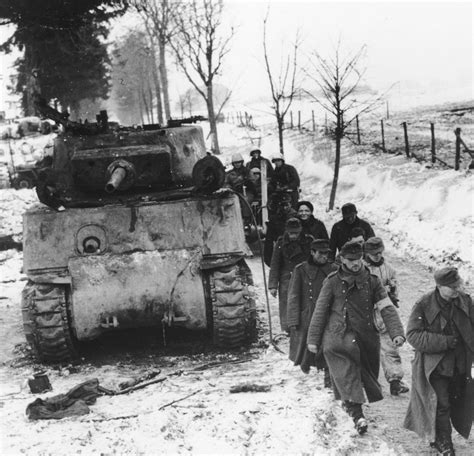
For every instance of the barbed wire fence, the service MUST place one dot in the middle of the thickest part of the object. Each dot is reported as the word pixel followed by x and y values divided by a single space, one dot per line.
pixel 420 141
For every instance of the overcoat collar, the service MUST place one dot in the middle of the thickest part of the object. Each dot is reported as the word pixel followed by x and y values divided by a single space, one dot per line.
pixel 432 311
pixel 356 280
pixel 312 270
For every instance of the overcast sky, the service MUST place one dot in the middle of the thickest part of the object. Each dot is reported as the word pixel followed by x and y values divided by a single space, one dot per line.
pixel 425 46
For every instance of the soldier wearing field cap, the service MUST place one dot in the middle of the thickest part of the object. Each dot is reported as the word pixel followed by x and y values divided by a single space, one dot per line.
pixel 343 325
pixel 290 249
pixel 389 353
pixel 441 329
pixel 305 285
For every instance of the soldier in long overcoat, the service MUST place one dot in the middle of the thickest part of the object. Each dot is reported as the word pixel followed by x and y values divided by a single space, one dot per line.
pixel 305 285
pixel 343 324
pixel 441 329
pixel 290 250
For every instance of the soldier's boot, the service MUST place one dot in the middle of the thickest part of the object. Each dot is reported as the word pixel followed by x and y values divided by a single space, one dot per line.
pixel 327 378
pixel 398 387
pixel 443 445
pixel 354 410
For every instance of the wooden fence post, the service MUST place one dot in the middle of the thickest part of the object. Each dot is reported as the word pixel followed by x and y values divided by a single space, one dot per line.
pixel 358 130
pixel 312 119
pixel 405 134
pixel 291 119
pixel 433 144
pixel 299 120
pixel 457 132
pixel 383 135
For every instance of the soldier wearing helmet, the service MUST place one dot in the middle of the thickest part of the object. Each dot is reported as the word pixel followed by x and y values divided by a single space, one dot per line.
pixel 238 179
pixel 239 176
pixel 285 179
pixel 257 161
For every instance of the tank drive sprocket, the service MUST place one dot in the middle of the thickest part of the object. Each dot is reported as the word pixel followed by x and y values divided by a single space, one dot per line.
pixel 46 322
pixel 233 307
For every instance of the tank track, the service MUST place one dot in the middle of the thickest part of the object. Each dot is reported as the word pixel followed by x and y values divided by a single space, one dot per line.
pixel 233 308
pixel 46 322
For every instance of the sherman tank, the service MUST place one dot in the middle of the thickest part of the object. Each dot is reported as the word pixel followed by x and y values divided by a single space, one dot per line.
pixel 134 231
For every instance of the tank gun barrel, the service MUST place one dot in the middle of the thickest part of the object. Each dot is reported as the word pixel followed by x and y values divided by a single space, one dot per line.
pixel 116 178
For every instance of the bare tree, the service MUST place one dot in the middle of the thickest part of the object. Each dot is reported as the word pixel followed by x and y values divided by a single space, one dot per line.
pixel 283 86
pixel 337 79
pixel 185 102
pixel 158 17
pixel 200 48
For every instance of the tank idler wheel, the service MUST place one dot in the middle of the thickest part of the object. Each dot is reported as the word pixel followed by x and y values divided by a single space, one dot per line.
pixel 46 322
pixel 233 308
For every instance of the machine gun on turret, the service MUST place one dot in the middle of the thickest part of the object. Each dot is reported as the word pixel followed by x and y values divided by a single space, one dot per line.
pixel 70 126
pixel 185 120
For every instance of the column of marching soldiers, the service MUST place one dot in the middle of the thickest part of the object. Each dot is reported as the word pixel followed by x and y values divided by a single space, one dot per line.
pixel 338 304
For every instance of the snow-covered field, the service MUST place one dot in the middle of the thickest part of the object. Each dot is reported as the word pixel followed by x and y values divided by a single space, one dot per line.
pixel 424 215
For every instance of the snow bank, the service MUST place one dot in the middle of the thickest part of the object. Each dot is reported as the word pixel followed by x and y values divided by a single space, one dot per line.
pixel 427 213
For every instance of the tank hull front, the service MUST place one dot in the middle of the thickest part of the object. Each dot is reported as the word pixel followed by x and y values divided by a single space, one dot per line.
pixel 137 290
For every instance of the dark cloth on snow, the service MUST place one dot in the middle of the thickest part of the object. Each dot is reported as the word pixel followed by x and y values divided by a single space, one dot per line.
pixel 315 228
pixel 305 285
pixel 286 255
pixel 74 402
pixel 343 324
pixel 341 233
pixel 428 331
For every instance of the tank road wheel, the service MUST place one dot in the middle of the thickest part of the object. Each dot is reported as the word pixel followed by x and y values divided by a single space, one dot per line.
pixel 233 309
pixel 46 322
pixel 23 182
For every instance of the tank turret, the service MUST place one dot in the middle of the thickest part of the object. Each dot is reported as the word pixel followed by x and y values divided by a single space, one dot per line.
pixel 102 168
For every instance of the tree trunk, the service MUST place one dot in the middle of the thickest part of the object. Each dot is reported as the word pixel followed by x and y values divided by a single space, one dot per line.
pixel 281 124
pixel 74 110
pixel 339 135
pixel 337 162
pixel 156 81
pixel 145 104
pixel 164 78
pixel 150 94
pixel 212 120
pixel 140 107
pixel 32 85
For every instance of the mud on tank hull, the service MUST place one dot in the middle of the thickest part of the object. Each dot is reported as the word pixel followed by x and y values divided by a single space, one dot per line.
pixel 93 270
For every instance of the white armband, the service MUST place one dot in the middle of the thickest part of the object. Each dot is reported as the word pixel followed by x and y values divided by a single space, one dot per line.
pixel 383 303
